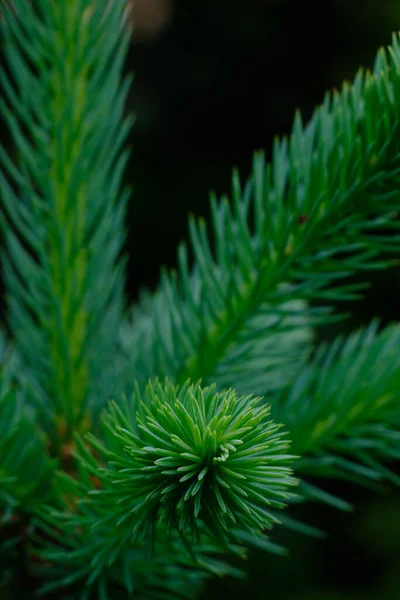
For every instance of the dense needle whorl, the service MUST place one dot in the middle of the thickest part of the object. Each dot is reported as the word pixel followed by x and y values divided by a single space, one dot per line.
pixel 196 455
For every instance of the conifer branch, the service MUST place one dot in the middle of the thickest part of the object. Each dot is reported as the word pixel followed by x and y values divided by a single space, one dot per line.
pixel 299 227
pixel 192 453
pixel 343 416
pixel 165 571
pixel 85 561
pixel 62 208
pixel 183 462
pixel 26 472
pixel 343 412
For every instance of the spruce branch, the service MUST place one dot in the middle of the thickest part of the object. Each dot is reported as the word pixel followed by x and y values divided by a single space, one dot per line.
pixel 271 358
pixel 195 454
pixel 26 481
pixel 62 206
pixel 26 471
pixel 185 464
pixel 299 227
pixel 88 567
pixel 343 413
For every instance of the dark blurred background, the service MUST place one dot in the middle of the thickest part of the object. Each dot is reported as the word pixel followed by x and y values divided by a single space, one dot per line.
pixel 216 80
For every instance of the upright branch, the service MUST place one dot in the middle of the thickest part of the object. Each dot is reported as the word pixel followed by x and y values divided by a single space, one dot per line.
pixel 63 211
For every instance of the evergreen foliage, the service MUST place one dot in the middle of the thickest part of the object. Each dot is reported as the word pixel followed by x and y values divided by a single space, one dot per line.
pixel 295 231
pixel 343 412
pixel 25 468
pixel 187 466
pixel 62 269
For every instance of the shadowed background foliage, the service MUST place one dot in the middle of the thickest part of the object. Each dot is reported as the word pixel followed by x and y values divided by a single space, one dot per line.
pixel 216 80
